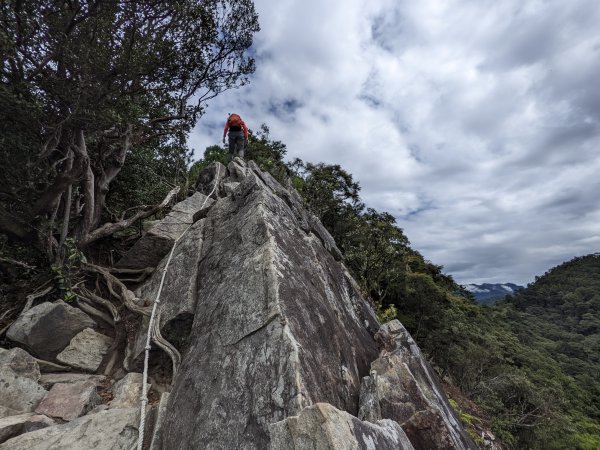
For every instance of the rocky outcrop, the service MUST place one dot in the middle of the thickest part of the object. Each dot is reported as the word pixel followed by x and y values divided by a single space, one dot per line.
pixel 278 325
pixel 47 328
pixel 324 427
pixel 403 387
pixel 278 347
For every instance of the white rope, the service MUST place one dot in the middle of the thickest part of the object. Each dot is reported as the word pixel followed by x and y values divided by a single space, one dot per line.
pixel 144 399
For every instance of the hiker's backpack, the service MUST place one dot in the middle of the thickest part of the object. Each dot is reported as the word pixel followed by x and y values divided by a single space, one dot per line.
pixel 235 122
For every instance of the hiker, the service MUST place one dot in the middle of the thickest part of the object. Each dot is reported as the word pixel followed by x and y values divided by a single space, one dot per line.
pixel 238 135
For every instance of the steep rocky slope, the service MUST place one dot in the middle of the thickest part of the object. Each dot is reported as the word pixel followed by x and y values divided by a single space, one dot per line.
pixel 273 344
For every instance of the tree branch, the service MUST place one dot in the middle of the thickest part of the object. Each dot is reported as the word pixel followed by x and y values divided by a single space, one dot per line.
pixel 109 228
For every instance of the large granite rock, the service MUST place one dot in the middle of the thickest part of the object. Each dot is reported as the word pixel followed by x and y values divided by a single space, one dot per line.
pixel 86 350
pixel 278 324
pixel 323 427
pixel 113 429
pixel 404 388
pixel 22 423
pixel 157 242
pixel 47 328
pixel 68 401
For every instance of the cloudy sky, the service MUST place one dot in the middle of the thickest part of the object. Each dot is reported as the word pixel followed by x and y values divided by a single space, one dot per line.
pixel 476 123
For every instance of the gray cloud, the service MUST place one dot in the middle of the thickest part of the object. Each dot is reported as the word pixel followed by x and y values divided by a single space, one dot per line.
pixel 477 124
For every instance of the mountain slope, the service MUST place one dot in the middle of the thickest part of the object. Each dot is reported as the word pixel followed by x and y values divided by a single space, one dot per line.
pixel 489 293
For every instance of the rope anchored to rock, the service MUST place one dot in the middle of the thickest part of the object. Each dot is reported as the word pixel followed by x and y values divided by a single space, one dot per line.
pixel 153 329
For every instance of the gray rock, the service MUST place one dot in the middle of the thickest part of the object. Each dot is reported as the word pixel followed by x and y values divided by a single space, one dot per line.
pixel 113 429
pixel 19 392
pixel 50 379
pixel 21 363
pixel 267 294
pixel 68 401
pixel 230 187
pixel 323 427
pixel 127 391
pixel 23 423
pixel 215 173
pixel 369 409
pixel 150 249
pixel 86 350
pixel 6 412
pixel 158 425
pixel 410 393
pixel 50 367
pixel 47 328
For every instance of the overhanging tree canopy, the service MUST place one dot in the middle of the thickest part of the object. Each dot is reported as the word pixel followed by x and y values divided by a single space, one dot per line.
pixel 84 82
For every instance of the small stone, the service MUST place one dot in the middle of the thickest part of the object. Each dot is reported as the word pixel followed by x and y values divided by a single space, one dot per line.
pixel 127 392
pixel 68 401
pixel 47 328
pixel 86 350
pixel 22 423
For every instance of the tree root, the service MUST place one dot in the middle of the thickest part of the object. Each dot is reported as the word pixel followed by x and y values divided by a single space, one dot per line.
pixel 119 290
pixel 165 345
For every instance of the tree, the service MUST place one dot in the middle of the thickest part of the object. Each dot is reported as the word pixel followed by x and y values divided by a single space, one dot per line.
pixel 86 84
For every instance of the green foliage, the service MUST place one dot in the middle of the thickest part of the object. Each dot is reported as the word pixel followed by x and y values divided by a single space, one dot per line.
pixel 67 275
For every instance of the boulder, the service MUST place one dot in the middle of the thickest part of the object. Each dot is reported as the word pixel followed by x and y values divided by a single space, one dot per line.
pixel 208 177
pixel 68 401
pixel 323 427
pixel 20 362
pixel 409 392
pixel 47 328
pixel 113 429
pixel 17 392
pixel 149 250
pixel 127 392
pixel 22 423
pixel 86 350
pixel 267 294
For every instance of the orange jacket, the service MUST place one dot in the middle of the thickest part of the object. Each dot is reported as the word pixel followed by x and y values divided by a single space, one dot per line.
pixel 244 127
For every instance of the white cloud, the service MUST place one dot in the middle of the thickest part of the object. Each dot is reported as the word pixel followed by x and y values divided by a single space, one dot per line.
pixel 477 124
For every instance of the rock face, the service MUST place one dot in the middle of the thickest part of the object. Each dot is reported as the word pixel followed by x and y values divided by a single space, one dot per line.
pixel 47 328
pixel 86 350
pixel 403 387
pixel 324 427
pixel 278 325
pixel 114 429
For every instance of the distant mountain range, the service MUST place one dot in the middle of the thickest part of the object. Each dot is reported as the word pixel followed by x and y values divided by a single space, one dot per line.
pixel 488 294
